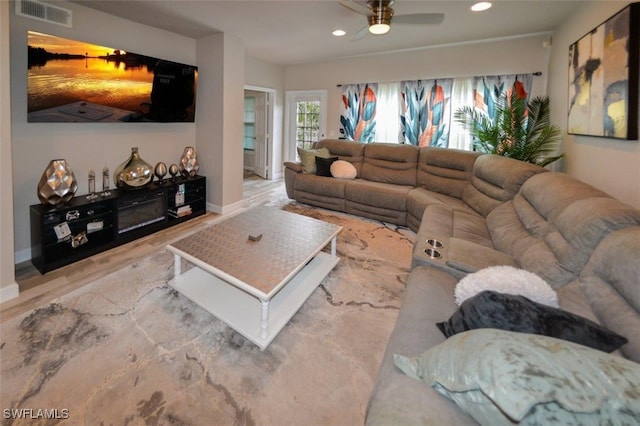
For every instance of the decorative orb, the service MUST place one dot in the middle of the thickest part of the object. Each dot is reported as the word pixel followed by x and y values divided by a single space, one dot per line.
pixel 160 171
pixel 58 184
pixel 173 170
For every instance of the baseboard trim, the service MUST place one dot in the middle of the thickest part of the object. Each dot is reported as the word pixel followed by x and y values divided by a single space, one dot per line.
pixel 230 208
pixel 9 292
pixel 22 255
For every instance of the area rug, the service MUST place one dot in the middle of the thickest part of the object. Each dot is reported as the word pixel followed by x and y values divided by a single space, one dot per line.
pixel 129 350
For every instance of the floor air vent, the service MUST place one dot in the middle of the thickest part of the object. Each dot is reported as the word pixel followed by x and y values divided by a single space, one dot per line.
pixel 44 12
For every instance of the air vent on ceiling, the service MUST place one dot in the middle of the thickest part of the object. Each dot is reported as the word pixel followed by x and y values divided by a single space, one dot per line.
pixel 44 12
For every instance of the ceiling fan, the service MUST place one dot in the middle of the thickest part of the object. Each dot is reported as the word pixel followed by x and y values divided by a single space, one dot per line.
pixel 380 13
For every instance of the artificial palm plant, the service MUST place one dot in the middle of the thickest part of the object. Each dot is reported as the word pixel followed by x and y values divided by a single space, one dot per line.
pixel 521 130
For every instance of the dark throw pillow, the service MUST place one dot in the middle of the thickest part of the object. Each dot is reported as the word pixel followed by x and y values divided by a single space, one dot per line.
pixel 323 166
pixel 490 309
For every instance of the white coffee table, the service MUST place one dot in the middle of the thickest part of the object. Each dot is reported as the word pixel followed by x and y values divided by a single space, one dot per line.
pixel 255 286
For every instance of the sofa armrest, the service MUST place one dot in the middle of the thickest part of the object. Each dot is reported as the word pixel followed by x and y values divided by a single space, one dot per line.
pixel 470 257
pixel 296 167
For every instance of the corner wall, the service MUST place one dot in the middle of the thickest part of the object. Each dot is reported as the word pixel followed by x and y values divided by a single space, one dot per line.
pixel 219 120
pixel 8 286
pixel 609 164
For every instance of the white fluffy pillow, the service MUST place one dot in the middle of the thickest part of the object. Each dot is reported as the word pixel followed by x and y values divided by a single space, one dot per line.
pixel 509 280
pixel 342 169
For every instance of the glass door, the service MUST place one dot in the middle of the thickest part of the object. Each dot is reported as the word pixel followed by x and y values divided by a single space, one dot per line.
pixel 306 117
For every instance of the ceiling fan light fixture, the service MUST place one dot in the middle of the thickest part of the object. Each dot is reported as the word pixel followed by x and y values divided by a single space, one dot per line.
pixel 380 21
pixel 379 29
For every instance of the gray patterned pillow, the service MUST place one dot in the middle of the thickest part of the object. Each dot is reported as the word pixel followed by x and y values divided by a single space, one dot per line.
pixel 500 377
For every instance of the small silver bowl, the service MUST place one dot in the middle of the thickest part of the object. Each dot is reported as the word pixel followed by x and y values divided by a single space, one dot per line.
pixel 432 253
pixel 434 243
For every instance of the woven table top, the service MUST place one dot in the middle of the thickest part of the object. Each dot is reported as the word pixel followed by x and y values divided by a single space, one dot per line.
pixel 288 242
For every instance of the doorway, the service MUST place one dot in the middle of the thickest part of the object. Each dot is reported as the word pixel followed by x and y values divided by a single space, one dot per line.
pixel 306 119
pixel 256 138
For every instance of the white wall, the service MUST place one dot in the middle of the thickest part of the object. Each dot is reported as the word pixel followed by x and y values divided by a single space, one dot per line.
pixel 89 145
pixel 219 119
pixel 512 56
pixel 608 164
pixel 8 286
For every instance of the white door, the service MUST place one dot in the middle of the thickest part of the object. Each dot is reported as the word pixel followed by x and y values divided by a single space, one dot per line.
pixel 261 135
pixel 306 119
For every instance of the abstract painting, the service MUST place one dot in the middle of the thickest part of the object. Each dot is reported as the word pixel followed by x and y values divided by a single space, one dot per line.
pixel 603 78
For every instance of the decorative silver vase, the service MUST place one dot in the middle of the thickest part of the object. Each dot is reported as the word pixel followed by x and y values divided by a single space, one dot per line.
pixel 58 184
pixel 134 173
pixel 189 162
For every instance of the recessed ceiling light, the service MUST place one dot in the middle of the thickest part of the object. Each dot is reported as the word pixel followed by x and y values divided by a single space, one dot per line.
pixel 338 33
pixel 480 6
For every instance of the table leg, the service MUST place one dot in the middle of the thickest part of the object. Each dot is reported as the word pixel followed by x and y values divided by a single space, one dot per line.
pixel 264 319
pixel 177 267
pixel 333 247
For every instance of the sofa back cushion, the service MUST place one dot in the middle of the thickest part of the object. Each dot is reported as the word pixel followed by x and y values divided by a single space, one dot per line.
pixel 611 284
pixel 496 179
pixel 444 170
pixel 390 163
pixel 350 151
pixel 554 223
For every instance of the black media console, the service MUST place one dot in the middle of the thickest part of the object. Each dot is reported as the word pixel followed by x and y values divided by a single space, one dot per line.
pixel 88 225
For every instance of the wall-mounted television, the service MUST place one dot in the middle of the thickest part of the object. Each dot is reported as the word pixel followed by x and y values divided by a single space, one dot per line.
pixel 74 81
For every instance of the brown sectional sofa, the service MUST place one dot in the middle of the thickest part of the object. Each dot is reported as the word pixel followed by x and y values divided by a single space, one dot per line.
pixel 486 210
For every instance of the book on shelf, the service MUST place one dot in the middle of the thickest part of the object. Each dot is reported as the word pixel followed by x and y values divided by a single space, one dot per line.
pixel 181 211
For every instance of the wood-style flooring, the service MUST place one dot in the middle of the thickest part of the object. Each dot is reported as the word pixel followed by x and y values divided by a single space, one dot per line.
pixel 37 289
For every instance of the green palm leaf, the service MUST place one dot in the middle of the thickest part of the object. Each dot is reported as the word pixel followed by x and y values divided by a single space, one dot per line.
pixel 519 129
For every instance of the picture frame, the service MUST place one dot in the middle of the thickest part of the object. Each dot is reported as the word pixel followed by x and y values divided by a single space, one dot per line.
pixel 604 78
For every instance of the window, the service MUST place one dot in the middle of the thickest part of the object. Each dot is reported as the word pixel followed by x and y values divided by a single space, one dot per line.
pixel 307 123
pixel 249 123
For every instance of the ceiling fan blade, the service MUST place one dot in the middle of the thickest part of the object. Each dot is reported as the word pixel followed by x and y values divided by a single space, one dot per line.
pixel 356 7
pixel 360 34
pixel 419 19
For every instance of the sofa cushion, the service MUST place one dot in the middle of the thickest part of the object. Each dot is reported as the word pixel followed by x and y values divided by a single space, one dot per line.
pixel 444 222
pixel 503 377
pixel 611 284
pixel 308 158
pixel 470 257
pixel 320 185
pixel 491 309
pixel 553 224
pixel 419 198
pixel 397 399
pixel 508 280
pixel 496 179
pixel 445 171
pixel 350 151
pixel 390 163
pixel 388 196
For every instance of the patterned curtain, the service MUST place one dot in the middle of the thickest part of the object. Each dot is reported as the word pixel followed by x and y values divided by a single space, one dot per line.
pixel 425 118
pixel 489 89
pixel 357 121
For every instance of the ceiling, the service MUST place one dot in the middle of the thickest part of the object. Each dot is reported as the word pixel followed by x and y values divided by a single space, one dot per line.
pixel 299 31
